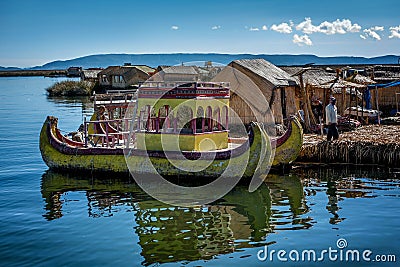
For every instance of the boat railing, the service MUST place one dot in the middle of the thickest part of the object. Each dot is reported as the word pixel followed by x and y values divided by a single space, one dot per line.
pixel 107 133
pixel 112 99
pixel 166 84
pixel 120 91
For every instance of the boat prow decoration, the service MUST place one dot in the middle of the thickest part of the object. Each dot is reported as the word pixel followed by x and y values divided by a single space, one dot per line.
pixel 288 146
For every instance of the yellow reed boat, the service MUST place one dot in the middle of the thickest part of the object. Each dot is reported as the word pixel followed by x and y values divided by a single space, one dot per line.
pixel 174 130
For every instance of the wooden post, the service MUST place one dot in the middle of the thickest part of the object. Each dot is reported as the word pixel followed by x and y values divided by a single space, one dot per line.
pixel 356 91
pixel 350 103
pixel 311 117
pixel 377 104
pixel 85 135
pixel 343 104
pixel 362 104
pixel 305 104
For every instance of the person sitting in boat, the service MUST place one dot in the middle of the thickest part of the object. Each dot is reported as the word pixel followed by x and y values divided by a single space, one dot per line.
pixel 100 113
pixel 97 127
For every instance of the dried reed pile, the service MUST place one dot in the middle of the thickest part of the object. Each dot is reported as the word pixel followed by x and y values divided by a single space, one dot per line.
pixel 371 144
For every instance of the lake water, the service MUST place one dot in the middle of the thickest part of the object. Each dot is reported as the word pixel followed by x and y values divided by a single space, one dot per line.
pixel 55 219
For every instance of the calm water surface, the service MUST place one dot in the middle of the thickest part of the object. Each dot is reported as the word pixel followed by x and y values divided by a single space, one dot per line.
pixel 54 219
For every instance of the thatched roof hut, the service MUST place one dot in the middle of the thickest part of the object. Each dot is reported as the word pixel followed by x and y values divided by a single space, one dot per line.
pixel 320 83
pixel 124 76
pixel 177 73
pixel 90 75
pixel 259 87
pixel 386 73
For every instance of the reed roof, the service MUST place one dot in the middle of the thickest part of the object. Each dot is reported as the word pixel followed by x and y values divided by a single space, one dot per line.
pixel 311 76
pixel 342 84
pixel 361 79
pixel 266 70
pixel 190 70
pixel 90 73
pixel 128 72
pixel 245 89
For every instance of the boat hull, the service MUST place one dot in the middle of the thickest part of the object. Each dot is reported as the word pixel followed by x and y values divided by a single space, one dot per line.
pixel 257 153
pixel 60 155
pixel 63 156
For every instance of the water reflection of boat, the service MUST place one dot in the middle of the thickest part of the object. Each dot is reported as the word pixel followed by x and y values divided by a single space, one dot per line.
pixel 169 233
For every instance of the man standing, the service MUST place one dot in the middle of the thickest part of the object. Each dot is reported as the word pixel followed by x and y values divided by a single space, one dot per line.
pixel 331 119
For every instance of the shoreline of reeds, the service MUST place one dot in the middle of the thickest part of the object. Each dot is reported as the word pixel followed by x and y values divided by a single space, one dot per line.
pixel 24 73
pixel 373 144
pixel 71 88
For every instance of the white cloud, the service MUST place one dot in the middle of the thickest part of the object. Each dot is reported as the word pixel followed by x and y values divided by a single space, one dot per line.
pixel 254 29
pixel 378 28
pixel 372 32
pixel 282 28
pixel 353 27
pixel 394 32
pixel 216 27
pixel 264 28
pixel 338 26
pixel 300 40
pixel 306 26
pixel 174 27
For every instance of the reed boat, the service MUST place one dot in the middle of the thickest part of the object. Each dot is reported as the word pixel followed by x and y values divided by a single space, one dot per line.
pixel 159 143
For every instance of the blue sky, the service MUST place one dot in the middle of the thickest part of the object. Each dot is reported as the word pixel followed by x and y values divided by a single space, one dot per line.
pixel 36 32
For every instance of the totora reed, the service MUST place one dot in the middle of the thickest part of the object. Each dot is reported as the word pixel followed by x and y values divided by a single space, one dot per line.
pixel 367 145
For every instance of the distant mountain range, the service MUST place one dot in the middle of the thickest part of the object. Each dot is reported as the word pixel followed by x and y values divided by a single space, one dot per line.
pixel 9 68
pixel 154 60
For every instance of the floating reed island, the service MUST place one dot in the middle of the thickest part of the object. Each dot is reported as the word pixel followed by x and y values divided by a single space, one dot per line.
pixel 372 144
pixel 71 88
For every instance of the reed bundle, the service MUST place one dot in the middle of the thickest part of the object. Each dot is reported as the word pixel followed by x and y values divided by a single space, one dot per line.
pixel 367 145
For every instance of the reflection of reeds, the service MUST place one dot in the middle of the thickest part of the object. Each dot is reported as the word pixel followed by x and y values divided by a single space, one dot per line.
pixel 367 145
pixel 71 88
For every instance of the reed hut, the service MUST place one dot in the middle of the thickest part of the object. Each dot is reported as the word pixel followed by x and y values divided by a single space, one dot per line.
pixel 321 83
pixel 268 84
pixel 90 75
pixel 177 73
pixel 124 76
pixel 386 73
pixel 385 97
